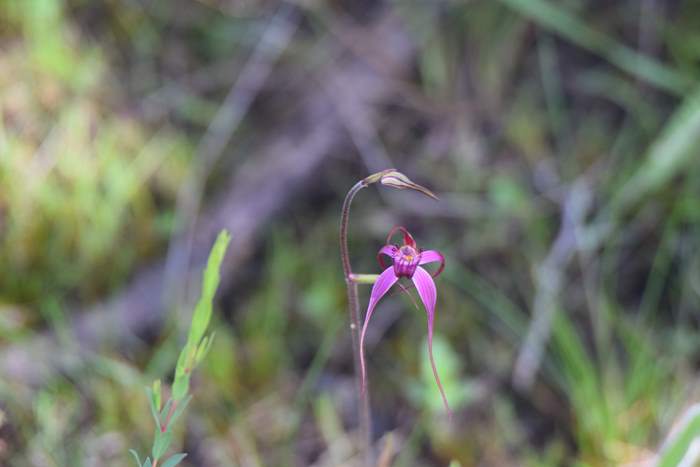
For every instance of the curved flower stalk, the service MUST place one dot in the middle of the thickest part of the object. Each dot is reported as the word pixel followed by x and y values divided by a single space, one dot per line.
pixel 407 261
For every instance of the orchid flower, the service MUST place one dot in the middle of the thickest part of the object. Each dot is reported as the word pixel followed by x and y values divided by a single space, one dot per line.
pixel 407 260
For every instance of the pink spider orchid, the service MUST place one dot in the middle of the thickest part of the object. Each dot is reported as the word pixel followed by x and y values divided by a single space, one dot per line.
pixel 407 260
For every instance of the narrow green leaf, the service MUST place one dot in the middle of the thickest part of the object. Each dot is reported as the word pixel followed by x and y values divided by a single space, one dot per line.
pixel 174 460
pixel 203 348
pixel 200 349
pixel 157 394
pixel 180 387
pixel 179 409
pixel 671 152
pixel 161 443
pixel 136 457
pixel 147 462
pixel 210 282
pixel 151 403
pixel 678 443
pixel 164 412
pixel 183 361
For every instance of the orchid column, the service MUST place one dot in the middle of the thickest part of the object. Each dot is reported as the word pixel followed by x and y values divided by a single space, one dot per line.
pixel 394 179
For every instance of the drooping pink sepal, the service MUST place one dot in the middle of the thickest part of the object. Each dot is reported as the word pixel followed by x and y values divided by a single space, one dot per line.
pixel 428 295
pixel 384 282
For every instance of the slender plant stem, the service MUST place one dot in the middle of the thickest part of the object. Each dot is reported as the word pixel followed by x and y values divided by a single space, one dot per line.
pixel 354 309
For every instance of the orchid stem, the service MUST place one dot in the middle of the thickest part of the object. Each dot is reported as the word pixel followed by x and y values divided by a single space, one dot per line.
pixel 365 421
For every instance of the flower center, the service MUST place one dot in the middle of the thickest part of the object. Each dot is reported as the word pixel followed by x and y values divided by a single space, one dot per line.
pixel 406 261
pixel 407 252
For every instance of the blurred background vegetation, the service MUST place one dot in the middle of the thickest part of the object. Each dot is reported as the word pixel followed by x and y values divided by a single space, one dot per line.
pixel 561 136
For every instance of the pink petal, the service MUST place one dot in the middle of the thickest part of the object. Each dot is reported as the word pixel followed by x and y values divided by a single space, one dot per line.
pixel 431 256
pixel 388 250
pixel 428 294
pixel 379 289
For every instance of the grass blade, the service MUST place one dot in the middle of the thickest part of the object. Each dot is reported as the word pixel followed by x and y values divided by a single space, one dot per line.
pixel 565 24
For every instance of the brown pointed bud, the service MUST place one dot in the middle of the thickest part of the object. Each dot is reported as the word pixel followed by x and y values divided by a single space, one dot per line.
pixel 396 179
pixel 375 177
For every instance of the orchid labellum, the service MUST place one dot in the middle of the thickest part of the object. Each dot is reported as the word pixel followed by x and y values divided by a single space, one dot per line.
pixel 407 261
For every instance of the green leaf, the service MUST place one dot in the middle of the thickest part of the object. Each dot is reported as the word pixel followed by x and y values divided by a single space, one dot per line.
pixel 179 409
pixel 677 445
pixel 154 409
pixel 210 282
pixel 672 151
pixel 164 412
pixel 151 403
pixel 161 443
pixel 174 460
pixel 180 387
pixel 203 348
pixel 184 360
pixel 157 394
pixel 147 462
pixel 136 457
